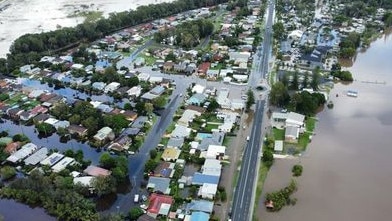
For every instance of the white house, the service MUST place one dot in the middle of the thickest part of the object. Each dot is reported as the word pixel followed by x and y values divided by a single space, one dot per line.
pixel 291 134
pixel 199 89
pixel 215 152
pixel 295 119
pixel 135 91
pixel 104 133
pixel 208 190
pixel 187 117
pixel 111 87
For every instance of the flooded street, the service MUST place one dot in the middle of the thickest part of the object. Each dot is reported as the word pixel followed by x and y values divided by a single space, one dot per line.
pixel 18 17
pixel 347 168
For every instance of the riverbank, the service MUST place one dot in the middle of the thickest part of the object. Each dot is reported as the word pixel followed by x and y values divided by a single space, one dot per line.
pixel 21 17
pixel 350 152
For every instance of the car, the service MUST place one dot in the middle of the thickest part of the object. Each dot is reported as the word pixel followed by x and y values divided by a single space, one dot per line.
pixel 180 95
pixel 247 138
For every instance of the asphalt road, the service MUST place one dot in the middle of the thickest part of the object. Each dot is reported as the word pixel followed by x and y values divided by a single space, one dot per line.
pixel 124 202
pixel 244 191
pixel 242 207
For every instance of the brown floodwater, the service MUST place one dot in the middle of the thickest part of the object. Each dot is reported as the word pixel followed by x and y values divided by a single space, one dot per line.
pixel 348 167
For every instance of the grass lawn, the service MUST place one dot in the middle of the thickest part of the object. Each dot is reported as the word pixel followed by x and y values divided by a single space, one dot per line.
pixel 278 134
pixel 170 128
pixel 227 141
pixel 164 141
pixel 209 127
pixel 303 141
pixel 150 60
pixel 263 171
pixel 310 124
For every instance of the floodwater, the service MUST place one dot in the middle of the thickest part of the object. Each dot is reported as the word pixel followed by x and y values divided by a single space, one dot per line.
pixel 18 17
pixel 14 211
pixel 347 168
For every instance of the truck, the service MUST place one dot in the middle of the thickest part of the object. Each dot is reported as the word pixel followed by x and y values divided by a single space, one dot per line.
pixel 136 198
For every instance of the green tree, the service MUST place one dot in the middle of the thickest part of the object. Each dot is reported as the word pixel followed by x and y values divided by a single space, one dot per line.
pixel 268 157
pixel 213 105
pixel 135 213
pixel 295 83
pixel 20 137
pixel 278 30
pixel 75 119
pixel 7 172
pixel 104 185
pixel 107 161
pixel 149 108
pixel 153 154
pixel 297 170
pixel 4 96
pixel 279 95
pixel 127 106
pixel 159 102
pixel 250 100
pixel 140 107
pixel 315 79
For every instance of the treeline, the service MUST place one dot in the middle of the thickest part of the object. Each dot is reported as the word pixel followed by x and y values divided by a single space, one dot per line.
pixel 30 47
pixel 349 45
pixel 188 34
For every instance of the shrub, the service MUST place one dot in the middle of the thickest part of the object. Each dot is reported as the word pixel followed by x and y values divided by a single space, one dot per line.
pixel 297 170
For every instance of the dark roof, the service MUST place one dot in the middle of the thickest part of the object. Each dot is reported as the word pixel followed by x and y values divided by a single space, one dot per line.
pixel 41 117
pixel 139 122
pixel 131 131
pixel 163 170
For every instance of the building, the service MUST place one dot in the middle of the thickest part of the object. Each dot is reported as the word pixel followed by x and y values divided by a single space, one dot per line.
pixel 159 184
pixel 175 142
pixel 121 143
pixel 291 134
pixel 159 205
pixel 215 152
pixel 63 164
pixel 208 191
pixel 171 154
pixel 12 147
pixel 200 206
pixel 105 133
pixel 37 157
pixel 164 169
pixel 188 117
pixel 212 167
pixel 278 147
pixel 77 129
pixel 52 159
pixel 135 91
pixel 96 171
pixel 199 179
pixel 196 99
pixel 295 119
pixel 181 131
pixel 112 87
pixel 22 153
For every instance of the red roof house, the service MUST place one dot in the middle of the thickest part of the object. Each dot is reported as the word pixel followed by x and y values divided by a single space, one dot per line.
pixel 159 205
pixel 203 68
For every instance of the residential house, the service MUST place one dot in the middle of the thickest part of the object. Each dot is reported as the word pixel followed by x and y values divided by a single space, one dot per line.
pixel 105 133
pixel 223 98
pixel 159 205
pixel 22 153
pixel 278 119
pixel 188 117
pixel 139 122
pixel 77 129
pixel 216 138
pixel 164 169
pixel 168 66
pixel 181 131
pixel 159 185
pixel 129 115
pixel 12 147
pixel 143 77
pixel 135 91
pixel 203 68
pixel 208 191
pixel 175 142
pixel 37 156
pixel 139 62
pixel 121 143
pixel 52 159
pixel 295 119
pixel 200 206
pixel 196 99
pixel 14 112
pixel 98 86
pixel 199 109
pixel 199 89
pixel 111 87
pixel 199 179
pixel 155 80
pixel 212 74
pixel 291 134
pixel 157 90
pixel 171 154
pixel 96 171
pixel 131 131
pixel 62 164
pixel 212 167
pixel 215 152
pixel 41 118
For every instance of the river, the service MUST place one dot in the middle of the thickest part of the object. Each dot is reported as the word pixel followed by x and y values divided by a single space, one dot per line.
pixel 347 168
pixel 19 17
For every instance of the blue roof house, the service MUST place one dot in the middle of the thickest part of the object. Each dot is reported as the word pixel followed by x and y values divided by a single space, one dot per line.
pixel 197 99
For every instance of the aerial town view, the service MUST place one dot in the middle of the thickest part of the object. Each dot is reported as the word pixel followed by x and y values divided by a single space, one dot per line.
pixel 195 110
